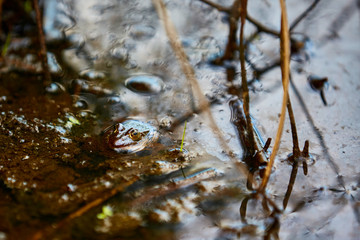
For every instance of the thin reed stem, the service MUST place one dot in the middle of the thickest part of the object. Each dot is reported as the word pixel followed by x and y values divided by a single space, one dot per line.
pixel 43 54
pixel 285 71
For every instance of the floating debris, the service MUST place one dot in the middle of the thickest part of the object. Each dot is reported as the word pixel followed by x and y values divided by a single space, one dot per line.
pixel 319 84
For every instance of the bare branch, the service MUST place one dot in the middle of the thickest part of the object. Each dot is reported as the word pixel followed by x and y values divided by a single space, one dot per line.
pixel 303 15
pixel 260 27
pixel 217 6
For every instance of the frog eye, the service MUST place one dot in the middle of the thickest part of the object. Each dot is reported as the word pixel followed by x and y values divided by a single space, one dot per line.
pixel 135 135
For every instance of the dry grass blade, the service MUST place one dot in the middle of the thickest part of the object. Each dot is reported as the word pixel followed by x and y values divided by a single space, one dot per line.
pixel 180 53
pixel 285 71
pixel 189 71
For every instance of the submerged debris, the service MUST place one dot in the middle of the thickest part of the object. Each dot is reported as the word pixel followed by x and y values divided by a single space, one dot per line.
pixel 145 84
pixel 319 84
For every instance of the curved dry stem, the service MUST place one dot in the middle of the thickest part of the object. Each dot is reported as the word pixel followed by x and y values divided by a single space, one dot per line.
pixel 318 133
pixel 189 72
pixel 285 71
pixel 178 50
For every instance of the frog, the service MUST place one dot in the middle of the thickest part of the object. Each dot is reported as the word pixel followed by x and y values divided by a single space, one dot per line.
pixel 130 136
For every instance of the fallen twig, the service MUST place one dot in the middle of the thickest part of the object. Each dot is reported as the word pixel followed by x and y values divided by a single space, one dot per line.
pixel 303 15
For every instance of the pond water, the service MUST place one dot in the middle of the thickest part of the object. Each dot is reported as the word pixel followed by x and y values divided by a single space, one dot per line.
pixel 103 151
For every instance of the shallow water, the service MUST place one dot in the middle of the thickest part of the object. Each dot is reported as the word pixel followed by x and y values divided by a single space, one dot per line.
pixel 58 177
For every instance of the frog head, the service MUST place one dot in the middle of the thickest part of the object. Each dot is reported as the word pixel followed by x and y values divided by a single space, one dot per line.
pixel 130 136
